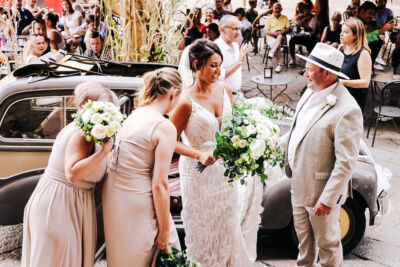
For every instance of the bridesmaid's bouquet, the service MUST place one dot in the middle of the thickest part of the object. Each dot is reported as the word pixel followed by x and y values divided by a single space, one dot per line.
pixel 174 259
pixel 247 143
pixel 98 121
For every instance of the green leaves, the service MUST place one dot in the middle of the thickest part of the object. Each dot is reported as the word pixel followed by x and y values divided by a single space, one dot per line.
pixel 176 258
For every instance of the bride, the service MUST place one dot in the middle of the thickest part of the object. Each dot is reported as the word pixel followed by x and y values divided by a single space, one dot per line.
pixel 210 207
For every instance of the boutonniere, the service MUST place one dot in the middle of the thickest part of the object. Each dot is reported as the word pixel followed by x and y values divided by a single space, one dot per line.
pixel 330 101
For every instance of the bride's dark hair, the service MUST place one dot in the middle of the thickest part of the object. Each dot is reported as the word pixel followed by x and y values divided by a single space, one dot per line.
pixel 201 50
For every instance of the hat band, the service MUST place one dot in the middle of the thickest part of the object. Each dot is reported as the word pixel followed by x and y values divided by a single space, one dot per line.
pixel 324 63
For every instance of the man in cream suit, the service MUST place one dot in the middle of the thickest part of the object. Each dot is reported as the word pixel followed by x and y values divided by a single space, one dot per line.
pixel 321 151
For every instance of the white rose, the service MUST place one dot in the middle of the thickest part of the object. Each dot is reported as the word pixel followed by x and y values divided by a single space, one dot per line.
pixel 106 116
pixel 99 132
pixel 96 118
pixel 251 129
pixel 109 131
pixel 97 105
pixel 242 143
pixel 235 139
pixel 118 117
pixel 86 116
pixel 109 107
pixel 257 149
pixel 331 99
pixel 115 126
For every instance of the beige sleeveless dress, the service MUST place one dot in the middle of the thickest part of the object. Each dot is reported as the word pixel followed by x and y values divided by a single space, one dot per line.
pixel 130 223
pixel 59 218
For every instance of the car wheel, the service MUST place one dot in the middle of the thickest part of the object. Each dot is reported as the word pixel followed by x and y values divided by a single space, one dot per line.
pixel 352 225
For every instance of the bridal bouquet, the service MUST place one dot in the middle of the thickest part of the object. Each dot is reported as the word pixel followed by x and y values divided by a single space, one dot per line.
pixel 174 259
pixel 247 144
pixel 98 121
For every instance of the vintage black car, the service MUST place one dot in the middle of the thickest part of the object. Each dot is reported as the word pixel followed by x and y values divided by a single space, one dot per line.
pixel 35 104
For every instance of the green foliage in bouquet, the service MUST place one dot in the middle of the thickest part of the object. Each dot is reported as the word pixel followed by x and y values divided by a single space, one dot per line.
pixel 247 144
pixel 176 258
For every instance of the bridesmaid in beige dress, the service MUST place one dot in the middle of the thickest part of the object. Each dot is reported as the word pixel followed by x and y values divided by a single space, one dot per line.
pixel 136 193
pixel 59 218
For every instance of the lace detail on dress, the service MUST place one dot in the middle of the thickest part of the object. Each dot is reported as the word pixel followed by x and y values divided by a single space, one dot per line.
pixel 210 207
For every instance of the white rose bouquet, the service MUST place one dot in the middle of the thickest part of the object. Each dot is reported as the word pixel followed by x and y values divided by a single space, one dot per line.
pixel 246 144
pixel 98 121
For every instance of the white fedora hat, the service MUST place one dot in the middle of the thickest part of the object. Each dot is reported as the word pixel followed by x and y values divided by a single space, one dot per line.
pixel 326 57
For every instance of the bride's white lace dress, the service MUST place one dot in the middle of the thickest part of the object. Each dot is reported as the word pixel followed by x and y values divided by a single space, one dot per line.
pixel 210 207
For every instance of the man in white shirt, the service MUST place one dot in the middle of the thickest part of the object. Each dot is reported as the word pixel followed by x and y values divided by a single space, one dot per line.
pixel 320 155
pixel 231 70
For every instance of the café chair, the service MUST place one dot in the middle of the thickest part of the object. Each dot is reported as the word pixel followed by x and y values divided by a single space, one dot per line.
pixel 388 107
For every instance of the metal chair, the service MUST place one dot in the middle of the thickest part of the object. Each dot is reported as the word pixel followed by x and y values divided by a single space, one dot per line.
pixel 284 49
pixel 389 106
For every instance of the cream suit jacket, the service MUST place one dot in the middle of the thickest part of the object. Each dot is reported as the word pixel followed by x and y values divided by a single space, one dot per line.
pixel 327 153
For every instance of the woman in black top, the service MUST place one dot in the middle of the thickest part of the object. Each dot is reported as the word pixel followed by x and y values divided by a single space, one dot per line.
pixel 357 62
pixel 331 34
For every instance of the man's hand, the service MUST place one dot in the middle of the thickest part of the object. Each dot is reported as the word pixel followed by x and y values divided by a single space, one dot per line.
pixel 243 51
pixel 321 210
pixel 388 26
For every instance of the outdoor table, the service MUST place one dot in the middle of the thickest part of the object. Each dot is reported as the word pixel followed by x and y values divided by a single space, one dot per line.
pixel 276 80
pixel 381 78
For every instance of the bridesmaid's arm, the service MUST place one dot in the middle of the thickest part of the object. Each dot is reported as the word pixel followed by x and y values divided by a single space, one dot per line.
pixel 165 138
pixel 79 163
pixel 180 118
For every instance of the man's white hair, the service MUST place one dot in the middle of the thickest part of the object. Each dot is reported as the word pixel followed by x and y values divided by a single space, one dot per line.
pixel 226 19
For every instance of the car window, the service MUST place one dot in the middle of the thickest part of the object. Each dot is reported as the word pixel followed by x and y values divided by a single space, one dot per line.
pixel 37 117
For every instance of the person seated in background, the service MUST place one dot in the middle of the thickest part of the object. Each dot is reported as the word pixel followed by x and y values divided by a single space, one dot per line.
pixel 194 29
pixel 72 21
pixel 209 17
pixel 38 28
pixel 251 15
pixel 351 10
pixel 212 32
pixel 306 23
pixel 56 40
pixel 366 14
pixel 219 11
pixel 95 49
pixel 23 17
pixel 276 27
pixel 93 24
pixel 245 25
pixel 383 15
pixel 96 18
pixel 37 46
pixel 31 5
pixel 331 34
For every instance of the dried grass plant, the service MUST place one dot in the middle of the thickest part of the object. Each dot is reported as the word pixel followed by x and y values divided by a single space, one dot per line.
pixel 143 31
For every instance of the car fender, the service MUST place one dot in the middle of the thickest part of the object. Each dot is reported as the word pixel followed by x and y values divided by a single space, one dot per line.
pixel 15 192
pixel 364 181
pixel 277 205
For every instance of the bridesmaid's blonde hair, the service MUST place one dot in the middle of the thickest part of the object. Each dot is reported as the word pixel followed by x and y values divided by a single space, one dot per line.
pixel 93 91
pixel 360 36
pixel 158 83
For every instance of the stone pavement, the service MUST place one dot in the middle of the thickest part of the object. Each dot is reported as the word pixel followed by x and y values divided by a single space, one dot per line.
pixel 381 244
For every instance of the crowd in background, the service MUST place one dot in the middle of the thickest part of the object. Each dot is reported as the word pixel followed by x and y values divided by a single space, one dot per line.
pixel 360 33
pixel 80 28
